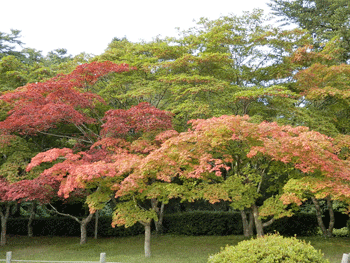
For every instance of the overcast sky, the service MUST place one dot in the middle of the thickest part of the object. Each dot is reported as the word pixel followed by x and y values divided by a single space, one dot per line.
pixel 88 26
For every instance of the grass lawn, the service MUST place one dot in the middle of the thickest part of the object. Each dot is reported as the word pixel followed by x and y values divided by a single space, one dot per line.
pixel 165 249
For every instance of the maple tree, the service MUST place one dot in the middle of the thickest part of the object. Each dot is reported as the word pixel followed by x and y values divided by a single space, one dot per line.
pixel 127 137
pixel 322 86
pixel 229 158
pixel 58 108
pixel 325 87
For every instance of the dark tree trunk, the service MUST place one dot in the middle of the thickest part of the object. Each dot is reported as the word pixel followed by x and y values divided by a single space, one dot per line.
pixel 31 217
pixel 96 225
pixel 251 223
pixel 257 221
pixel 319 217
pixel 160 214
pixel 83 224
pixel 248 223
pixel 4 214
pixel 16 212
pixel 331 217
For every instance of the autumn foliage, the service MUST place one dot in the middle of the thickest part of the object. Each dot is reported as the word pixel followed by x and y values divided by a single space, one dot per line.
pixel 40 106
pixel 111 156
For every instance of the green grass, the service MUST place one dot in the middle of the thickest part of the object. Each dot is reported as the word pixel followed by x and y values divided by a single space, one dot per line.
pixel 167 248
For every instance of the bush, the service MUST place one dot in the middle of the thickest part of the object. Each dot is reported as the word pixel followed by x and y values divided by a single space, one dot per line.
pixel 348 225
pixel 342 232
pixel 271 248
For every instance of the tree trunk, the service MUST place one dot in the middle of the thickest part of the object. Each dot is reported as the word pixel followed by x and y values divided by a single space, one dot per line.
pixel 147 239
pixel 17 211
pixel 331 217
pixel 96 225
pixel 319 216
pixel 160 214
pixel 4 216
pixel 251 223
pixel 247 223
pixel 31 217
pixel 257 221
pixel 83 224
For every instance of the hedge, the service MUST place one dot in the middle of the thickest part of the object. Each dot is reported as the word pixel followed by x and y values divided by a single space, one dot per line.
pixel 230 223
pixel 186 223
pixel 63 226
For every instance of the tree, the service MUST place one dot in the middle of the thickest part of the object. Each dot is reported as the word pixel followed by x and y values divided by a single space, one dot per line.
pixel 222 66
pixel 12 73
pixel 38 107
pixel 325 19
pixel 319 186
pixel 229 158
pixel 58 105
pixel 126 139
pixel 9 42
pixel 15 154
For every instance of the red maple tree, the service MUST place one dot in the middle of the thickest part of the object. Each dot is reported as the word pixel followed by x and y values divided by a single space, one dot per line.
pixel 127 137
pixel 40 106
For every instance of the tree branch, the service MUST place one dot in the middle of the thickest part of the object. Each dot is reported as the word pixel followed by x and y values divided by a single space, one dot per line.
pixel 62 214
pixel 63 136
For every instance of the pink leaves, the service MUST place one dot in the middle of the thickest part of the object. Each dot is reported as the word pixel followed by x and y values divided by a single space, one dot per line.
pixel 140 118
pixel 47 156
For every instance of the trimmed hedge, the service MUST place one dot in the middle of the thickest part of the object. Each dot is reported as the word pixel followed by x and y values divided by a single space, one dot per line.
pixel 63 226
pixel 299 224
pixel 196 223
pixel 186 223
pixel 230 223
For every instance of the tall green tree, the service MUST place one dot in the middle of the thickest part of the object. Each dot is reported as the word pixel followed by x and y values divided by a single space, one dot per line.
pixel 9 42
pixel 325 19
pixel 231 65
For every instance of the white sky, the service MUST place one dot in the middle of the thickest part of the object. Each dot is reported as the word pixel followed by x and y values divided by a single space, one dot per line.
pixel 89 25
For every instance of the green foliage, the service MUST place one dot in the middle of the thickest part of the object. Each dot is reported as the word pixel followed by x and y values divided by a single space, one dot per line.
pixel 222 66
pixel 324 18
pixel 9 42
pixel 341 232
pixel 15 154
pixel 271 248
pixel 348 226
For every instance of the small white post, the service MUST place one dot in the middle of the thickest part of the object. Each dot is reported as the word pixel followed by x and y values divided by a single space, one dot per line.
pixel 345 258
pixel 102 257
pixel 8 256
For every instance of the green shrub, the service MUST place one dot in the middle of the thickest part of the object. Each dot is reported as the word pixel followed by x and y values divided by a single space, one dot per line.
pixel 270 248
pixel 342 232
